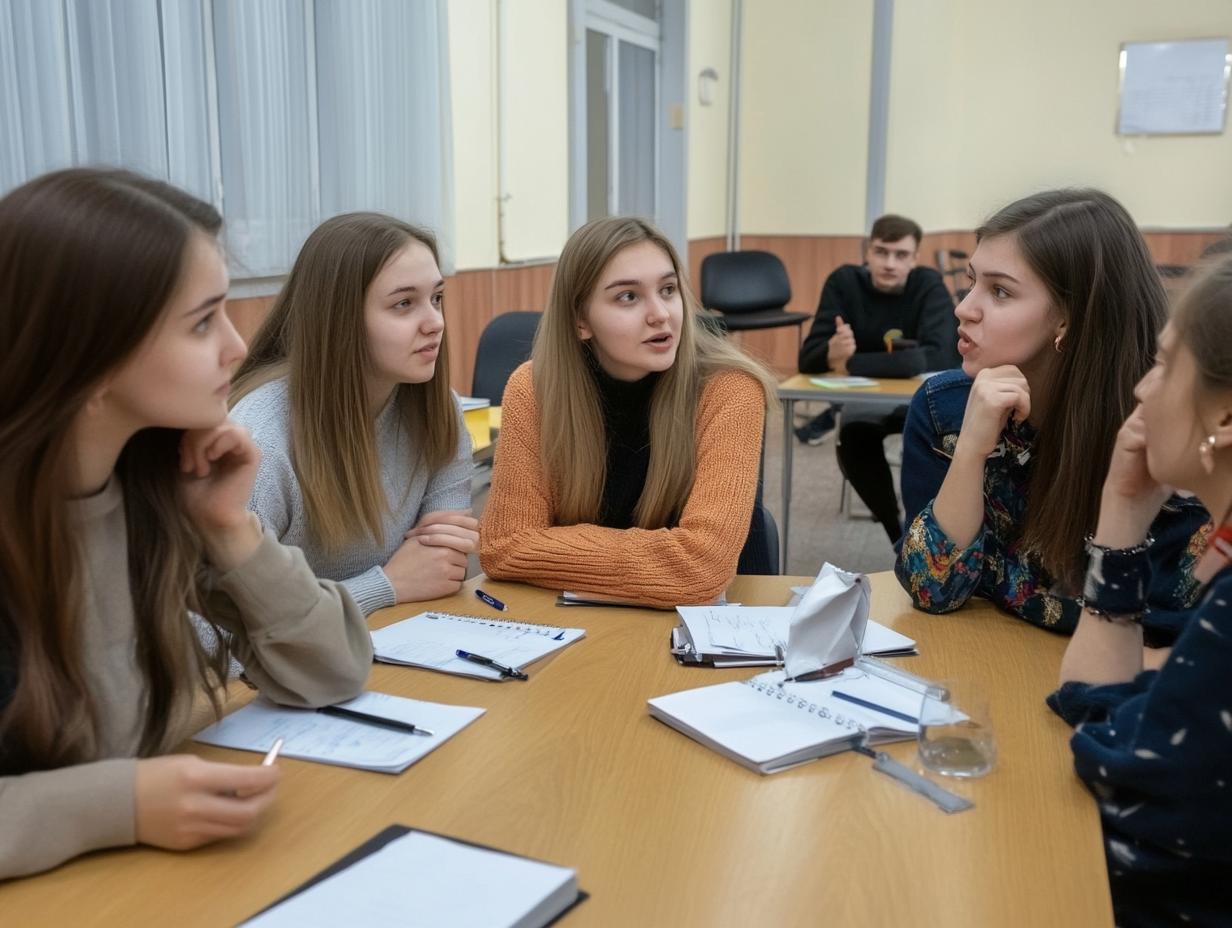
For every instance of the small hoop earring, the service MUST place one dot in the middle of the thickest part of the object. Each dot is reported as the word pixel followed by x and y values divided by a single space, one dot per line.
pixel 1206 454
pixel 1056 343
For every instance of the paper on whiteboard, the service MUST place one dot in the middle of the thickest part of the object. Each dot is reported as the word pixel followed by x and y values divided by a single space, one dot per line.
pixel 1173 87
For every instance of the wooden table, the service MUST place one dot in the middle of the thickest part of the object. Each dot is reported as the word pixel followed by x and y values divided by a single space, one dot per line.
pixel 570 768
pixel 888 393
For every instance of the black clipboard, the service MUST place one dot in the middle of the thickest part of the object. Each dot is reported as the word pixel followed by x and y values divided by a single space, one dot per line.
pixel 378 841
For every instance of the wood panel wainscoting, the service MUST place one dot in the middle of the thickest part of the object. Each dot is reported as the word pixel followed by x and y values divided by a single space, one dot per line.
pixel 474 297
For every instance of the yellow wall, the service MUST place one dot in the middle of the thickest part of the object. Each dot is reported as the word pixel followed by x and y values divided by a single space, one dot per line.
pixel 537 140
pixel 995 99
pixel 804 116
pixel 990 100
pixel 709 47
pixel 472 62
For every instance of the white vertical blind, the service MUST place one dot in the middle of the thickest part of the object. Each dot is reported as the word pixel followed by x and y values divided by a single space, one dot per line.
pixel 281 112
pixel 36 123
pixel 383 111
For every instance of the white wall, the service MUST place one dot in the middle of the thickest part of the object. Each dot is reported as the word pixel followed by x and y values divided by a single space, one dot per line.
pixel 709 47
pixel 804 116
pixel 996 99
pixel 537 142
pixel 990 100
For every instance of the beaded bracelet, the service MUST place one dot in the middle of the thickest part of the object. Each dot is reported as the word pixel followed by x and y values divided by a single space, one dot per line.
pixel 1117 580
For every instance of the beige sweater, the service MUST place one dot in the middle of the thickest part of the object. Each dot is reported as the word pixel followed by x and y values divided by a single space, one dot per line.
pixel 301 640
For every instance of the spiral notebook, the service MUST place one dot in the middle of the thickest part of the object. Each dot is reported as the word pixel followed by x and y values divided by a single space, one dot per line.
pixel 768 724
pixel 751 636
pixel 431 640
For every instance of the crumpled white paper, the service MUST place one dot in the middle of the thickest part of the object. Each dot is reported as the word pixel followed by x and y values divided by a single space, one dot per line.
pixel 827 628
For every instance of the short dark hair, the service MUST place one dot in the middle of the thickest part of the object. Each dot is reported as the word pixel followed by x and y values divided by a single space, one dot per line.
pixel 890 228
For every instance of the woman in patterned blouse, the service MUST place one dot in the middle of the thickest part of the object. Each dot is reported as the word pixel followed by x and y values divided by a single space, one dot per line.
pixel 1004 459
pixel 1156 747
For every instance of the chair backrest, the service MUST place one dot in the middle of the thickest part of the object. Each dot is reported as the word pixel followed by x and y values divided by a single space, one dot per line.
pixel 505 343
pixel 760 554
pixel 744 282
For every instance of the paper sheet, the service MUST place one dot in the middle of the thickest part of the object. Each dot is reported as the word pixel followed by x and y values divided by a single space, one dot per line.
pixel 311 735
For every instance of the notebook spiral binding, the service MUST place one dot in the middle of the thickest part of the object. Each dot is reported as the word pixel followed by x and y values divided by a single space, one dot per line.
pixel 822 712
pixel 536 628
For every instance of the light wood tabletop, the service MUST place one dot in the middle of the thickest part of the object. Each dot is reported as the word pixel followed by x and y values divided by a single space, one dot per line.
pixel 570 768
pixel 801 386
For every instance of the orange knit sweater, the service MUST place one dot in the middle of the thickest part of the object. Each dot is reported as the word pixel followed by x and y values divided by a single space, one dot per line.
pixel 691 563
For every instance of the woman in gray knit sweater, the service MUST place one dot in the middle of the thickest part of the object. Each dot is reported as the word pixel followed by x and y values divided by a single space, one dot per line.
pixel 365 460
pixel 122 510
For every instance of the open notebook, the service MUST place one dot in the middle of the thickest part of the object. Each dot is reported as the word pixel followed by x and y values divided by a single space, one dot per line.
pixel 326 739
pixel 416 879
pixel 746 636
pixel 432 639
pixel 769 725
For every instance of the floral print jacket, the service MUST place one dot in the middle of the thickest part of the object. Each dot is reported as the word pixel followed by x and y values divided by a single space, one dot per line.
pixel 941 577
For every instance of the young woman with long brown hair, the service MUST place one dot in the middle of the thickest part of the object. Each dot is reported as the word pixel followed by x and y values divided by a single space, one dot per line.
pixel 630 442
pixel 123 493
pixel 1003 460
pixel 366 464
pixel 1156 747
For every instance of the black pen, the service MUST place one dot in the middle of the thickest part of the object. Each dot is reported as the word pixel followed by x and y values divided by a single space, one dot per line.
pixel 380 721
pixel 488 662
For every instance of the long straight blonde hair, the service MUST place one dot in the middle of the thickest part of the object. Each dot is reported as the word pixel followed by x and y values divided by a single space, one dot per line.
pixel 567 396
pixel 315 336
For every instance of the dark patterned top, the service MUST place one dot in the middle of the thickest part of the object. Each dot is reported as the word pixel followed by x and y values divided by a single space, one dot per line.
pixel 941 577
pixel 1157 754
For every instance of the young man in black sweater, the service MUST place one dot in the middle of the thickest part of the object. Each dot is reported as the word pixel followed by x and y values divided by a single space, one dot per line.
pixel 861 307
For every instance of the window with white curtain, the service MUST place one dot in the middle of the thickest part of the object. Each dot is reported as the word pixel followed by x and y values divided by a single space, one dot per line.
pixel 280 112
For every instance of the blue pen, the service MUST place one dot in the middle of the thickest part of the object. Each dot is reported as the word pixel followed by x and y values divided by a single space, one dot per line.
pixel 491 600
pixel 876 708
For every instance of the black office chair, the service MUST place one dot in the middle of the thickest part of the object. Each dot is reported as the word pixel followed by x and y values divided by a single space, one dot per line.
pixel 760 554
pixel 506 342
pixel 750 289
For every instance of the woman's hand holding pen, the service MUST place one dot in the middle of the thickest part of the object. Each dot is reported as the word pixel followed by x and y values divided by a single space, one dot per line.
pixel 184 802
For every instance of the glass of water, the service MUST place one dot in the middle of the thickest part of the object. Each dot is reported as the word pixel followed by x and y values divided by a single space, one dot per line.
pixel 956 736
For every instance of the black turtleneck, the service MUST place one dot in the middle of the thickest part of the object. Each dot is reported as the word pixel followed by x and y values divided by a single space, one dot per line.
pixel 626 415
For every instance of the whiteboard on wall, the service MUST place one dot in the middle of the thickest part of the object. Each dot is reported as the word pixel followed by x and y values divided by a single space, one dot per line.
pixel 1174 88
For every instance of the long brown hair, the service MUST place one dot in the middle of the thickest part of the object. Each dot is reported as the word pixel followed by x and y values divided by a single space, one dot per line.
pixel 1100 277
pixel 567 396
pixel 315 336
pixel 1203 322
pixel 88 261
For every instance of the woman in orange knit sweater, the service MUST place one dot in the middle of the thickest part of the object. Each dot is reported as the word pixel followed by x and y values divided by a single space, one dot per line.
pixel 630 442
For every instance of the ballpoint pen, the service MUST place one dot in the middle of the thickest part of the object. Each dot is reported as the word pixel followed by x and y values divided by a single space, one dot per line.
pixel 272 754
pixel 491 600
pixel 367 719
pixel 513 672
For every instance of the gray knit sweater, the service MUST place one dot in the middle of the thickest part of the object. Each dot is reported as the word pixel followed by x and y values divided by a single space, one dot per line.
pixel 411 491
